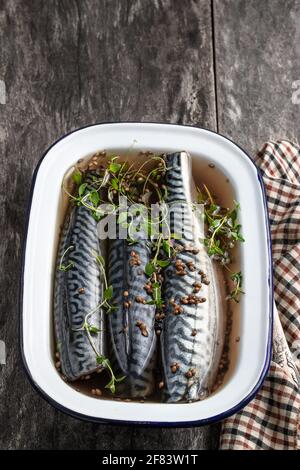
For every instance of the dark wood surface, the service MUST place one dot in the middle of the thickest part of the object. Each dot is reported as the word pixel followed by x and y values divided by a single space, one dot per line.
pixel 225 64
pixel 257 58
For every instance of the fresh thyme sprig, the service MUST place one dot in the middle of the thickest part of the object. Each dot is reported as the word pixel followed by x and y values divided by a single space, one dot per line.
pixel 65 267
pixel 91 329
pixel 237 279
pixel 117 179
pixel 107 296
pixel 105 362
pixel 108 290
pixel 223 233
pixel 100 358
pixel 140 185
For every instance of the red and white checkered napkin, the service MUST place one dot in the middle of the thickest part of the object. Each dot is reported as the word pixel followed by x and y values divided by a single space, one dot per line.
pixel 272 419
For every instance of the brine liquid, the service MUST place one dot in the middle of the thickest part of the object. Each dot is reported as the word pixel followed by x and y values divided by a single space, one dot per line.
pixel 204 172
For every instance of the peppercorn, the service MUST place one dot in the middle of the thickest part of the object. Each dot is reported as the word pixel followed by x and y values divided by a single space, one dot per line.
pixel 174 367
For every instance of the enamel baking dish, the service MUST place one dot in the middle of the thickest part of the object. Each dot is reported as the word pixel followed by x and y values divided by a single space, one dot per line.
pixel 255 326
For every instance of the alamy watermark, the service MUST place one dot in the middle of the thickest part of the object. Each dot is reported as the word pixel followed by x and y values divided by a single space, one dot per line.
pixel 2 352
pixel 2 101
pixel 132 221
pixel 296 93
pixel 2 92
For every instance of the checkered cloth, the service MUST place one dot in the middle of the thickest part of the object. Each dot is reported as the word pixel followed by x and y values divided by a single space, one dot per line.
pixel 272 419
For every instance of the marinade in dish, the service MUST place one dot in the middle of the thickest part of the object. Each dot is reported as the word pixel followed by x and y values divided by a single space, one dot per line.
pixel 146 301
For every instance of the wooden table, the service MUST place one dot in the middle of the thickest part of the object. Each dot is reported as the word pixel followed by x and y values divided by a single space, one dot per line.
pixel 228 65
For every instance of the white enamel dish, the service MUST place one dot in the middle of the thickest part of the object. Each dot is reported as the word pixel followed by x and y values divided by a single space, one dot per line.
pixel 255 328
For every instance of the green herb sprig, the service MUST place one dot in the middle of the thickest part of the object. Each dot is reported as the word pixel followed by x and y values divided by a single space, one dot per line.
pixel 237 280
pixel 108 289
pixel 223 233
pixel 105 362
pixel 100 358
pixel 65 267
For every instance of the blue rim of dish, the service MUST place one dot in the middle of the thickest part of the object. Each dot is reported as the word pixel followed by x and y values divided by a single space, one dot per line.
pixel 200 422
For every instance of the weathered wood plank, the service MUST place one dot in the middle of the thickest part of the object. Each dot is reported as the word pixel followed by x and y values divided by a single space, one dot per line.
pixel 67 63
pixel 257 61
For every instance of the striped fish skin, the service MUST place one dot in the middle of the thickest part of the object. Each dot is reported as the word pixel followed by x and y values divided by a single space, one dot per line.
pixel 71 306
pixel 200 353
pixel 133 352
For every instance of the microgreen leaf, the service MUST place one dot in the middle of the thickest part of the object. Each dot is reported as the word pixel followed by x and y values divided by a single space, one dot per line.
pixel 77 176
pixel 163 263
pixel 166 247
pixel 156 295
pixel 94 197
pixel 108 293
pixel 115 183
pixel 149 269
pixel 114 167
pixel 100 359
pixel 82 189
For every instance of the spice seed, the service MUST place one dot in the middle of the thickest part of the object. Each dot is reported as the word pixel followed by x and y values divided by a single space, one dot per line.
pixel 181 273
pixel 197 284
